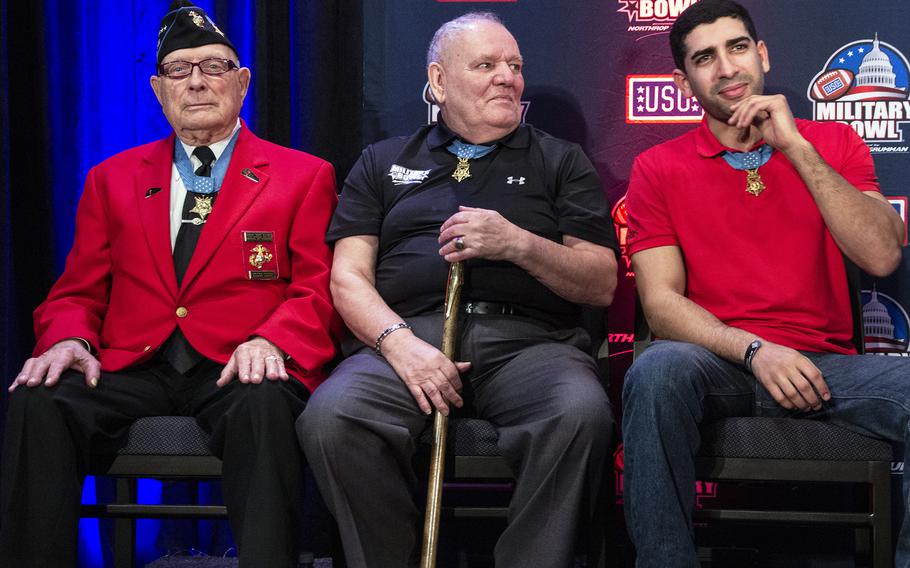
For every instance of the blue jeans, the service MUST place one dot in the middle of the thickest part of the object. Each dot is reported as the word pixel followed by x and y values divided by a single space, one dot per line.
pixel 674 386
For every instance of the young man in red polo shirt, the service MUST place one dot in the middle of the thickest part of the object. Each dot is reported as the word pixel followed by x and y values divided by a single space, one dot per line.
pixel 738 232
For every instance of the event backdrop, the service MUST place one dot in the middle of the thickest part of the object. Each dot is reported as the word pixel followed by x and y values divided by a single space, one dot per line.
pixel 74 79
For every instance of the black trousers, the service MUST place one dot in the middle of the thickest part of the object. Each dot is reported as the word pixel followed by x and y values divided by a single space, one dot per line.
pixel 52 434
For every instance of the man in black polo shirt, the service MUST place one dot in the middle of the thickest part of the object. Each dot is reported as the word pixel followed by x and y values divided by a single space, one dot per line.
pixel 527 214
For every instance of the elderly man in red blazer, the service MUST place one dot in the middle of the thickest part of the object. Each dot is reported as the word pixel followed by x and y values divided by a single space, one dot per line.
pixel 197 285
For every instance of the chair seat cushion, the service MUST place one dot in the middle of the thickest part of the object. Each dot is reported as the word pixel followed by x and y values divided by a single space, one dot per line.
pixel 468 437
pixel 166 436
pixel 788 438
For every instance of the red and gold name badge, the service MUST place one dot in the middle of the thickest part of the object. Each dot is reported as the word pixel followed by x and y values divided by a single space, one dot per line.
pixel 260 255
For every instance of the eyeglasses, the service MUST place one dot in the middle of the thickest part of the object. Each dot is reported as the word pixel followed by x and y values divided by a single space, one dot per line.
pixel 180 69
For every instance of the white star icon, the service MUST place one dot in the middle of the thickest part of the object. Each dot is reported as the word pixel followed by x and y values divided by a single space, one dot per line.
pixel 640 108
pixel 849 54
pixel 861 50
pixel 641 99
pixel 841 60
pixel 641 90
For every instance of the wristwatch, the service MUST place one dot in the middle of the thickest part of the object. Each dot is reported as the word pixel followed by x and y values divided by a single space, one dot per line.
pixel 751 350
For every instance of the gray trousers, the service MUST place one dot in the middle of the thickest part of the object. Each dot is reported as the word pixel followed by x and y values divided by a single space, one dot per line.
pixel 538 386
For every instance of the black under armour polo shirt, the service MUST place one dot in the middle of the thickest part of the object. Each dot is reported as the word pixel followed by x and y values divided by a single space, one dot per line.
pixel 402 190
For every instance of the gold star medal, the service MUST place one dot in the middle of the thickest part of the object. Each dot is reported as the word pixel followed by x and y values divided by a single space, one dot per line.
pixel 203 208
pixel 754 184
pixel 462 170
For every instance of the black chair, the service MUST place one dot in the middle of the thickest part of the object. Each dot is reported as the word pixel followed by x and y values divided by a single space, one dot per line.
pixel 755 449
pixel 158 447
pixel 472 456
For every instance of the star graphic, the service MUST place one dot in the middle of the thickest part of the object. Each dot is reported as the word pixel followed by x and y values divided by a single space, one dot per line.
pixel 861 50
pixel 640 99
pixel 629 8
pixel 849 54
pixel 640 108
pixel 841 60
pixel 641 90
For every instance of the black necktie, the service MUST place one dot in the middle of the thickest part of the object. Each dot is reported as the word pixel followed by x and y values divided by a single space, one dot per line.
pixel 207 157
pixel 178 352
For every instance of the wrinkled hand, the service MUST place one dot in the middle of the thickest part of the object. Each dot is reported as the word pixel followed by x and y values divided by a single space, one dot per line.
pixel 791 378
pixel 484 233
pixel 254 360
pixel 426 371
pixel 47 367
pixel 771 115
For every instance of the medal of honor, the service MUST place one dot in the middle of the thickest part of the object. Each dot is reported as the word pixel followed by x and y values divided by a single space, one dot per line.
pixel 465 153
pixel 462 170
pixel 754 184
pixel 749 162
pixel 203 208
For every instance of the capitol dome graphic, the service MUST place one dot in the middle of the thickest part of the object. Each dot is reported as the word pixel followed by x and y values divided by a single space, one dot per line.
pixel 885 324
pixel 876 78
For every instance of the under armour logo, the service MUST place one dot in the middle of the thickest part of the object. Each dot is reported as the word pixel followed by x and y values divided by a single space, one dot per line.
pixel 520 181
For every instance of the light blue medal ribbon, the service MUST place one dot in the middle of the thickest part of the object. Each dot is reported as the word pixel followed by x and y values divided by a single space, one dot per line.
pixel 200 184
pixel 469 151
pixel 750 162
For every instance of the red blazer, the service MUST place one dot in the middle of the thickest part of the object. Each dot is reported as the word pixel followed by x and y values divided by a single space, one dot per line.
pixel 119 290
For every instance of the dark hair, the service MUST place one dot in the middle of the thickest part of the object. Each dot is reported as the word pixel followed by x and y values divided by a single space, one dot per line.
pixel 705 12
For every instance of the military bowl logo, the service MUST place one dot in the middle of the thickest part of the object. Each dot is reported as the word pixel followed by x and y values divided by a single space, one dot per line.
pixel 885 325
pixel 865 84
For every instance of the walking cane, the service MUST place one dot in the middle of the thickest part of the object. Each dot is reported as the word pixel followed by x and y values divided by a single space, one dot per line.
pixel 441 423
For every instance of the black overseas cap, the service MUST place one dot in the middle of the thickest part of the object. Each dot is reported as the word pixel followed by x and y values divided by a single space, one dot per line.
pixel 187 25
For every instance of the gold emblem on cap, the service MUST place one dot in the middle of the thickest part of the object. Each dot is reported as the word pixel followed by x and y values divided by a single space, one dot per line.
pixel 197 19
pixel 203 208
pixel 260 256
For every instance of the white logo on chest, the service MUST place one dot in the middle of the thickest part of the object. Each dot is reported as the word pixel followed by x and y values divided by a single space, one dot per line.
pixel 402 176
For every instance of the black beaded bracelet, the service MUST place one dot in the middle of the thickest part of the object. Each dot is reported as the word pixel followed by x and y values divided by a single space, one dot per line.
pixel 386 332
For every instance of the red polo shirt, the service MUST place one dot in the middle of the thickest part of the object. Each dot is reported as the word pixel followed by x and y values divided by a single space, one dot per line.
pixel 765 264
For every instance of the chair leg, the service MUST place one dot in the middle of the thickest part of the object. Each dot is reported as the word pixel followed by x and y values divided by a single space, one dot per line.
pixel 601 537
pixel 125 528
pixel 881 517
